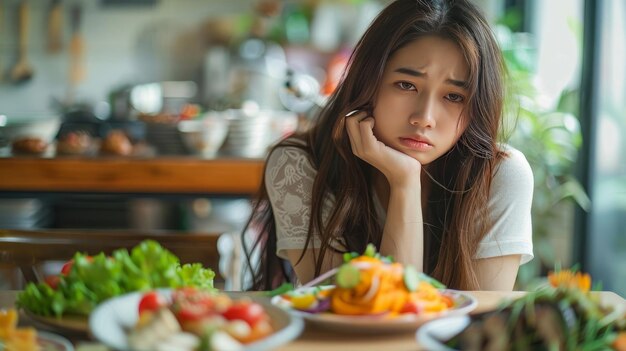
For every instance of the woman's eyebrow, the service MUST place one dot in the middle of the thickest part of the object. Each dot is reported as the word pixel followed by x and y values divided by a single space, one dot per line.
pixel 410 72
pixel 404 70
pixel 458 83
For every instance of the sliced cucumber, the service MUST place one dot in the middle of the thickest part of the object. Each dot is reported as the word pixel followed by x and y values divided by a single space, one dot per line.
pixel 411 278
pixel 434 282
pixel 348 276
pixel 348 256
pixel 370 250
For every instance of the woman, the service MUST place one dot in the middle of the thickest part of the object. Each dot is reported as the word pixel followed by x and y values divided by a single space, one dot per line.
pixel 405 156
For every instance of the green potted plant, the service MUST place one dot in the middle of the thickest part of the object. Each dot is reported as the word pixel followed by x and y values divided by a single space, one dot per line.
pixel 550 138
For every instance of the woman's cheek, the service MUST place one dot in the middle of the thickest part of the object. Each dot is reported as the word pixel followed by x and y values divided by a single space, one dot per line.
pixel 380 135
pixel 376 130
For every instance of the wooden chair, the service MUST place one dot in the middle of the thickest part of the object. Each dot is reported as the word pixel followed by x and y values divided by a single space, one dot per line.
pixel 27 249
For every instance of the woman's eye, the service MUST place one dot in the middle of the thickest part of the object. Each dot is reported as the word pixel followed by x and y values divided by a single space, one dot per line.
pixel 455 97
pixel 406 86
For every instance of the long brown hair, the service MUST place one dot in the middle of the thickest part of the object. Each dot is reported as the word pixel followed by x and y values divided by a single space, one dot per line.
pixel 455 216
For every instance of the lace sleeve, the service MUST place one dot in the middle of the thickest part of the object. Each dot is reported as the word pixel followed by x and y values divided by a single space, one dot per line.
pixel 289 180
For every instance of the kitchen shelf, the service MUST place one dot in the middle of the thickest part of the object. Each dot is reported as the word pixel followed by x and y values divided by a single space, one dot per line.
pixel 156 175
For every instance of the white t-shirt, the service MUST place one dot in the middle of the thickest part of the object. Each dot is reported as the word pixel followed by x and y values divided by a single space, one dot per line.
pixel 289 180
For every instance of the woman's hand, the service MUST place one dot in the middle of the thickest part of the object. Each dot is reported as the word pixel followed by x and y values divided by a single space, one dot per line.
pixel 399 168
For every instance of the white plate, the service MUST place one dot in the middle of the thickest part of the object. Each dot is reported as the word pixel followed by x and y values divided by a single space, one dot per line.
pixel 112 318
pixel 464 303
pixel 52 342
pixel 433 335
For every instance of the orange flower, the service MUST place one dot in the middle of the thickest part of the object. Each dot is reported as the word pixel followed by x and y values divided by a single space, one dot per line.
pixel 570 279
pixel 620 342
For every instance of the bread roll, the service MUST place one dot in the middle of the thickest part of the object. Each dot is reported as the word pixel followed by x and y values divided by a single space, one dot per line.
pixel 117 143
pixel 29 145
pixel 74 143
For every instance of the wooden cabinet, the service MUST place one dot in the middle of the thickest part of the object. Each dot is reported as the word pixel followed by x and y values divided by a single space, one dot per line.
pixel 159 175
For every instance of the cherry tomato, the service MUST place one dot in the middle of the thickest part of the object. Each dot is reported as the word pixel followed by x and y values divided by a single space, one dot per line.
pixel 411 307
pixel 190 304
pixel 192 312
pixel 249 312
pixel 53 281
pixel 67 267
pixel 189 111
pixel 151 301
pixel 259 331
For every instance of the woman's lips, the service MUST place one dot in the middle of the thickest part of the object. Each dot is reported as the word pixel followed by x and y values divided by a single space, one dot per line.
pixel 416 144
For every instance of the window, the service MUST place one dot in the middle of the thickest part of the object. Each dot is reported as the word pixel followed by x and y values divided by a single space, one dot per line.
pixel 606 234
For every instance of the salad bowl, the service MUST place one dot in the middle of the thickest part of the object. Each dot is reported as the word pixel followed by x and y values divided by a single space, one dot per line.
pixel 111 320
pixel 464 303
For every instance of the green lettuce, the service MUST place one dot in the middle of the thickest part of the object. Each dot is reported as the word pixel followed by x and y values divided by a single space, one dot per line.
pixel 93 279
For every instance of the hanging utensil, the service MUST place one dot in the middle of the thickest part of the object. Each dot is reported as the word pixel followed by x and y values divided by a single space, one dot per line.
pixel 1 41
pixel 55 27
pixel 22 71
pixel 77 48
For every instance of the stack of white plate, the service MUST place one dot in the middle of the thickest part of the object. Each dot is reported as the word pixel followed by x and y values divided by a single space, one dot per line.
pixel 249 134
pixel 24 214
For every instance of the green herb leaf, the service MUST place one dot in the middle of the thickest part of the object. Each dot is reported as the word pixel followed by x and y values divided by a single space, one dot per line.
pixel 283 289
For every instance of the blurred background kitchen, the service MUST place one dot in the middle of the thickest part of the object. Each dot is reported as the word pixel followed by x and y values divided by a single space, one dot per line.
pixel 213 80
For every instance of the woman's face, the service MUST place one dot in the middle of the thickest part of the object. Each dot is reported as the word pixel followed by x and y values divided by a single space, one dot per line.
pixel 421 99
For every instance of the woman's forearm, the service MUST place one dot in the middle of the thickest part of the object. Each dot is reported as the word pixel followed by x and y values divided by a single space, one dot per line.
pixel 403 235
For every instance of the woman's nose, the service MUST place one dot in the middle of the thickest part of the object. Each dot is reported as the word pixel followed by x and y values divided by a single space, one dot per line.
pixel 424 113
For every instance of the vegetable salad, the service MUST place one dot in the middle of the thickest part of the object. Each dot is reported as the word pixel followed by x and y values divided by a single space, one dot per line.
pixel 197 320
pixel 561 315
pixel 85 281
pixel 373 285
pixel 14 338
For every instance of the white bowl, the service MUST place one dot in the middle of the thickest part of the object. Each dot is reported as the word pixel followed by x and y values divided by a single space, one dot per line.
pixel 251 132
pixel 204 136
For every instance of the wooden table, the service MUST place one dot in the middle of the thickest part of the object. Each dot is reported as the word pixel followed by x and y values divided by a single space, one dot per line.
pixel 317 339
pixel 161 174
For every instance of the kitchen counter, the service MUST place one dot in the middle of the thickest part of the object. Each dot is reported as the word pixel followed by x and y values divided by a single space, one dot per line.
pixel 151 175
